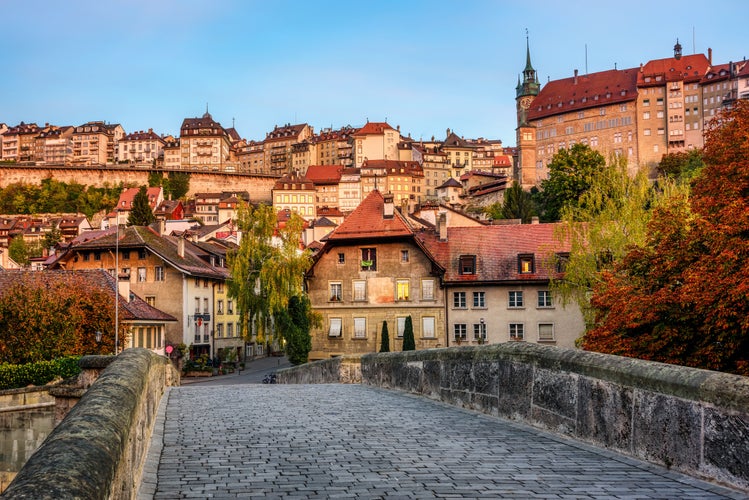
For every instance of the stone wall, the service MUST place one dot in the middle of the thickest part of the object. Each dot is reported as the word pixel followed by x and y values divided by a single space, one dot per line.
pixel 98 450
pixel 258 186
pixel 694 421
pixel 26 398
pixel 343 370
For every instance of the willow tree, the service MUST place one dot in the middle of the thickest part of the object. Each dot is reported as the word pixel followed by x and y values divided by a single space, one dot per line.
pixel 266 270
pixel 609 218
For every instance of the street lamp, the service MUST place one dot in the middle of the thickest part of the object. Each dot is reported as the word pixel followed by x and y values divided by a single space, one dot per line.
pixel 98 342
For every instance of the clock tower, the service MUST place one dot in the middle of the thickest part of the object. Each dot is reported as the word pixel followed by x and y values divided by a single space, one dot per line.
pixel 525 92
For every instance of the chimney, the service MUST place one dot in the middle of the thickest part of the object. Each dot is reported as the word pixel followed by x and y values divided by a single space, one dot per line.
pixel 123 286
pixel 404 206
pixel 387 207
pixel 442 226
pixel 534 220
pixel 162 226
pixel 181 246
pixel 575 80
pixel 710 55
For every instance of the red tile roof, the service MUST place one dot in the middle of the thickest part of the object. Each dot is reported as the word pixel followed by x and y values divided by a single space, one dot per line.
pixel 373 128
pixel 689 68
pixel 128 196
pixel 324 174
pixel 496 249
pixel 367 221
pixel 584 91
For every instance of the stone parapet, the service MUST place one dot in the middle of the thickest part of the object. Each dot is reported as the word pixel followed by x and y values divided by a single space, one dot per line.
pixel 343 370
pixel 98 450
pixel 690 420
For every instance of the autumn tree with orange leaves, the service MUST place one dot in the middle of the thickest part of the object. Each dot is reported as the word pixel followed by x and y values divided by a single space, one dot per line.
pixel 683 296
pixel 42 318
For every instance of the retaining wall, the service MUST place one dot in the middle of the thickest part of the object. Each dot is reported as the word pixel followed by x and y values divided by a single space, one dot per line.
pixel 694 421
pixel 98 450
pixel 343 370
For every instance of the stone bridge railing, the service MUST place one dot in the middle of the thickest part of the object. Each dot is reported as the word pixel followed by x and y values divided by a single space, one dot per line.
pixel 694 421
pixel 98 450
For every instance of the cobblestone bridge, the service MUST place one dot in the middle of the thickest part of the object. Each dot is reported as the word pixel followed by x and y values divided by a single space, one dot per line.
pixel 356 441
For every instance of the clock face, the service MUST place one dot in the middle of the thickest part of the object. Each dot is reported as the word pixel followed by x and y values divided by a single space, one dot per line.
pixel 525 102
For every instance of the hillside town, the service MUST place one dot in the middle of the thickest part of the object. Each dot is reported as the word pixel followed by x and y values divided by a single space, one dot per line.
pixel 397 227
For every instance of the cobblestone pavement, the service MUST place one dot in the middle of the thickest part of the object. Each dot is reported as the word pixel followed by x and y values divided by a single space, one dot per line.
pixel 351 441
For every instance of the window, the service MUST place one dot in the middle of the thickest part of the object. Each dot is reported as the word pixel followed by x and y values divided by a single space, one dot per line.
pixel 158 273
pixel 517 331
pixel 545 332
pixel 459 331
pixel 336 292
pixel 360 290
pixel 335 327
pixel 205 283
pixel 97 255
pixel 646 102
pixel 126 255
pixel 341 258
pixel 197 282
pixel 360 328
pixel 459 300
pixel 516 299
pixel 220 330
pixel 197 305
pixel 404 256
pixel 427 327
pixel 220 287
pixel 544 298
pixel 205 305
pixel 646 131
pixel 479 299
pixel 230 329
pixel 126 272
pixel 467 264
pixel 526 264
pixel 479 331
pixel 402 289
pixel 560 261
pixel 151 300
pixel 646 115
pixel 369 259
pixel 142 253
pixel 86 257
pixel 141 274
pixel 230 306
pixel 427 289
pixel 400 326
pixel 220 307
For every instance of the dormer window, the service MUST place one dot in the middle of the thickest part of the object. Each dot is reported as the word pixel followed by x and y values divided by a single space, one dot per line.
pixel 467 264
pixel 526 264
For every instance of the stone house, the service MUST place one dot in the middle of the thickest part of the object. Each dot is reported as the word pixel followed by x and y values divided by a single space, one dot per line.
pixel 373 269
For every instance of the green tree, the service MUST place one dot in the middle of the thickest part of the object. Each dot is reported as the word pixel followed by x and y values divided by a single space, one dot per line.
pixel 177 185
pixel 683 166
pixel 517 204
pixel 155 178
pixel 409 343
pixel 610 217
pixel 266 270
pixel 52 238
pixel 295 323
pixel 18 250
pixel 141 213
pixel 385 338
pixel 570 175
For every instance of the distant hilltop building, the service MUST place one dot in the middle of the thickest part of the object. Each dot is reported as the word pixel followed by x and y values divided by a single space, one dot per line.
pixel 640 113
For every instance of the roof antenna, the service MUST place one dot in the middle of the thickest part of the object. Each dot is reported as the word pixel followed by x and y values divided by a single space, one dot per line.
pixel 206 107
pixel 586 58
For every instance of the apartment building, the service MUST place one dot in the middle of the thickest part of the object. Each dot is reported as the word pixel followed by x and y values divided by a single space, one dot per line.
pixel 94 143
pixel 375 141
pixel 277 147
pixel 294 193
pixel 140 147
pixel 204 144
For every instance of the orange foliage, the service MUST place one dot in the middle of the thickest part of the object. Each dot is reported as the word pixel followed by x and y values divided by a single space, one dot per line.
pixel 684 297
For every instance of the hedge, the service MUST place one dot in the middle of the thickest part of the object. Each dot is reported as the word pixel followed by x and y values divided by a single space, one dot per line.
pixel 38 373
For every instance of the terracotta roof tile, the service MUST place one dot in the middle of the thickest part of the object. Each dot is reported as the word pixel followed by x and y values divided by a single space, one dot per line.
pixel 373 128
pixel 367 221
pixel 689 68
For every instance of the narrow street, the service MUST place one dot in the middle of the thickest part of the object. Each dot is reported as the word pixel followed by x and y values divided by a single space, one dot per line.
pixel 253 373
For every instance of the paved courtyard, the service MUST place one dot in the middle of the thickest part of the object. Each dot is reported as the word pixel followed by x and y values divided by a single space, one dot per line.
pixel 351 441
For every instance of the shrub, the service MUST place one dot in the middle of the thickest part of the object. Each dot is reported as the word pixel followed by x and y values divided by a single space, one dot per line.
pixel 38 373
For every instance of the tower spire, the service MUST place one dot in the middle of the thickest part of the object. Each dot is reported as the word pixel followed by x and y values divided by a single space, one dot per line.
pixel 528 66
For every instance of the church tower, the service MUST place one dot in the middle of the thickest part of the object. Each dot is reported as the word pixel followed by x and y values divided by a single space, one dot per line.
pixel 525 92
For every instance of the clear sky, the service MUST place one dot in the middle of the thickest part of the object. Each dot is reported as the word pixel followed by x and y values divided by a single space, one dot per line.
pixel 424 65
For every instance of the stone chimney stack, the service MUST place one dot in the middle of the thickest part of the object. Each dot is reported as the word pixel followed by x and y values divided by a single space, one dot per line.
pixel 162 227
pixel 442 226
pixel 388 207
pixel 710 55
pixel 575 79
pixel 181 246
pixel 123 286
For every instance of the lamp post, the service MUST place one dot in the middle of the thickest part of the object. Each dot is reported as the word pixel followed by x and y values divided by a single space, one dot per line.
pixel 117 280
pixel 98 341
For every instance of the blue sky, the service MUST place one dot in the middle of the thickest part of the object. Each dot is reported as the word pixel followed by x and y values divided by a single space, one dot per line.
pixel 424 65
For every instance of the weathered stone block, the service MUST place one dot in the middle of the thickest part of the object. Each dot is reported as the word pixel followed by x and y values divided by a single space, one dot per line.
pixel 485 377
pixel 431 380
pixel 727 445
pixel 514 389
pixel 667 430
pixel 556 392
pixel 604 413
